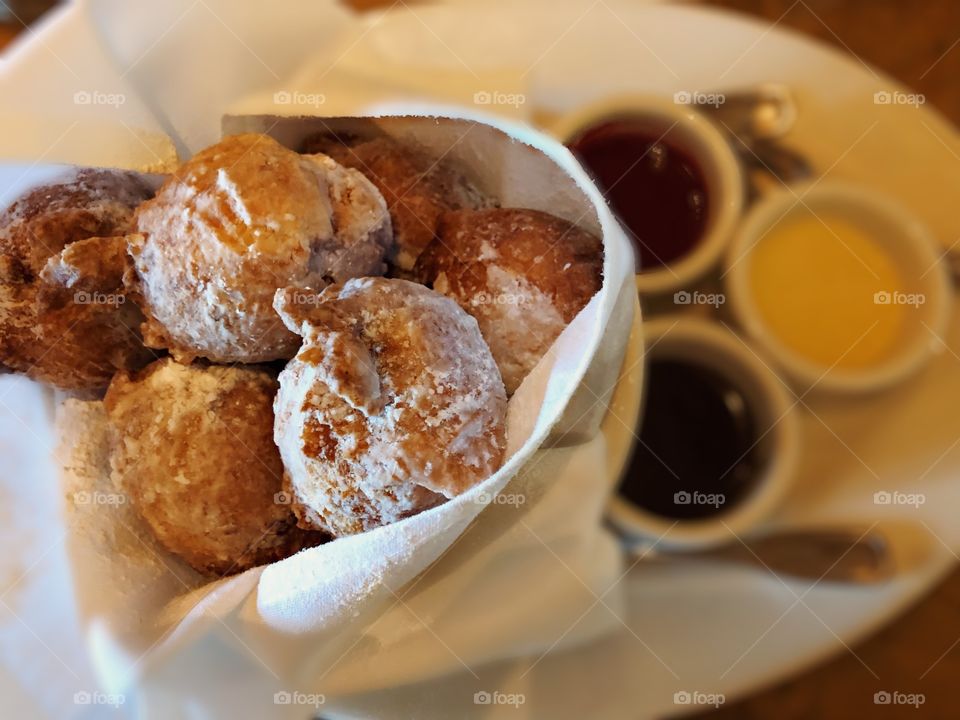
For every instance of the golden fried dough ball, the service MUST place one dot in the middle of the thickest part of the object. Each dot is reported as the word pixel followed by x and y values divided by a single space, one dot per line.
pixel 237 221
pixel 523 274
pixel 393 404
pixel 64 319
pixel 418 189
pixel 193 450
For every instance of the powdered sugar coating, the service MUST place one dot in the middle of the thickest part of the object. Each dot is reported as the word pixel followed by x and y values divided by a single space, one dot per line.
pixel 361 224
pixel 193 450
pixel 237 221
pixel 520 320
pixel 64 319
pixel 417 187
pixel 523 274
pixel 393 405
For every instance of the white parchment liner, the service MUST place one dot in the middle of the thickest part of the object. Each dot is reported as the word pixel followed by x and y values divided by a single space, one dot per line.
pixel 351 616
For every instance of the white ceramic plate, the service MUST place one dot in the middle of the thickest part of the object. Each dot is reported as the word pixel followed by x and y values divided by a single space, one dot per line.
pixel 711 628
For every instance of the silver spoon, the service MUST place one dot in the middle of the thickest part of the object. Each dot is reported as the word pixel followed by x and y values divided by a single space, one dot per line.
pixel 764 113
pixel 842 554
pixel 755 122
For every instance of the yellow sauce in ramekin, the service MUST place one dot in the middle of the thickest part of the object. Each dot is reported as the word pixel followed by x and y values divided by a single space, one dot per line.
pixel 828 291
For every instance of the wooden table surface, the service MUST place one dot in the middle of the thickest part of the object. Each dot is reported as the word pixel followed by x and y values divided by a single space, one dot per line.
pixel 919 44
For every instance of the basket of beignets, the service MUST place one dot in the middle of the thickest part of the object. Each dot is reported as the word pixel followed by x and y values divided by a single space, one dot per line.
pixel 297 374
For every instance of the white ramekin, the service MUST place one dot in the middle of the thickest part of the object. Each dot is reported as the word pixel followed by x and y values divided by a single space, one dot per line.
pixel 707 344
pixel 692 132
pixel 899 233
